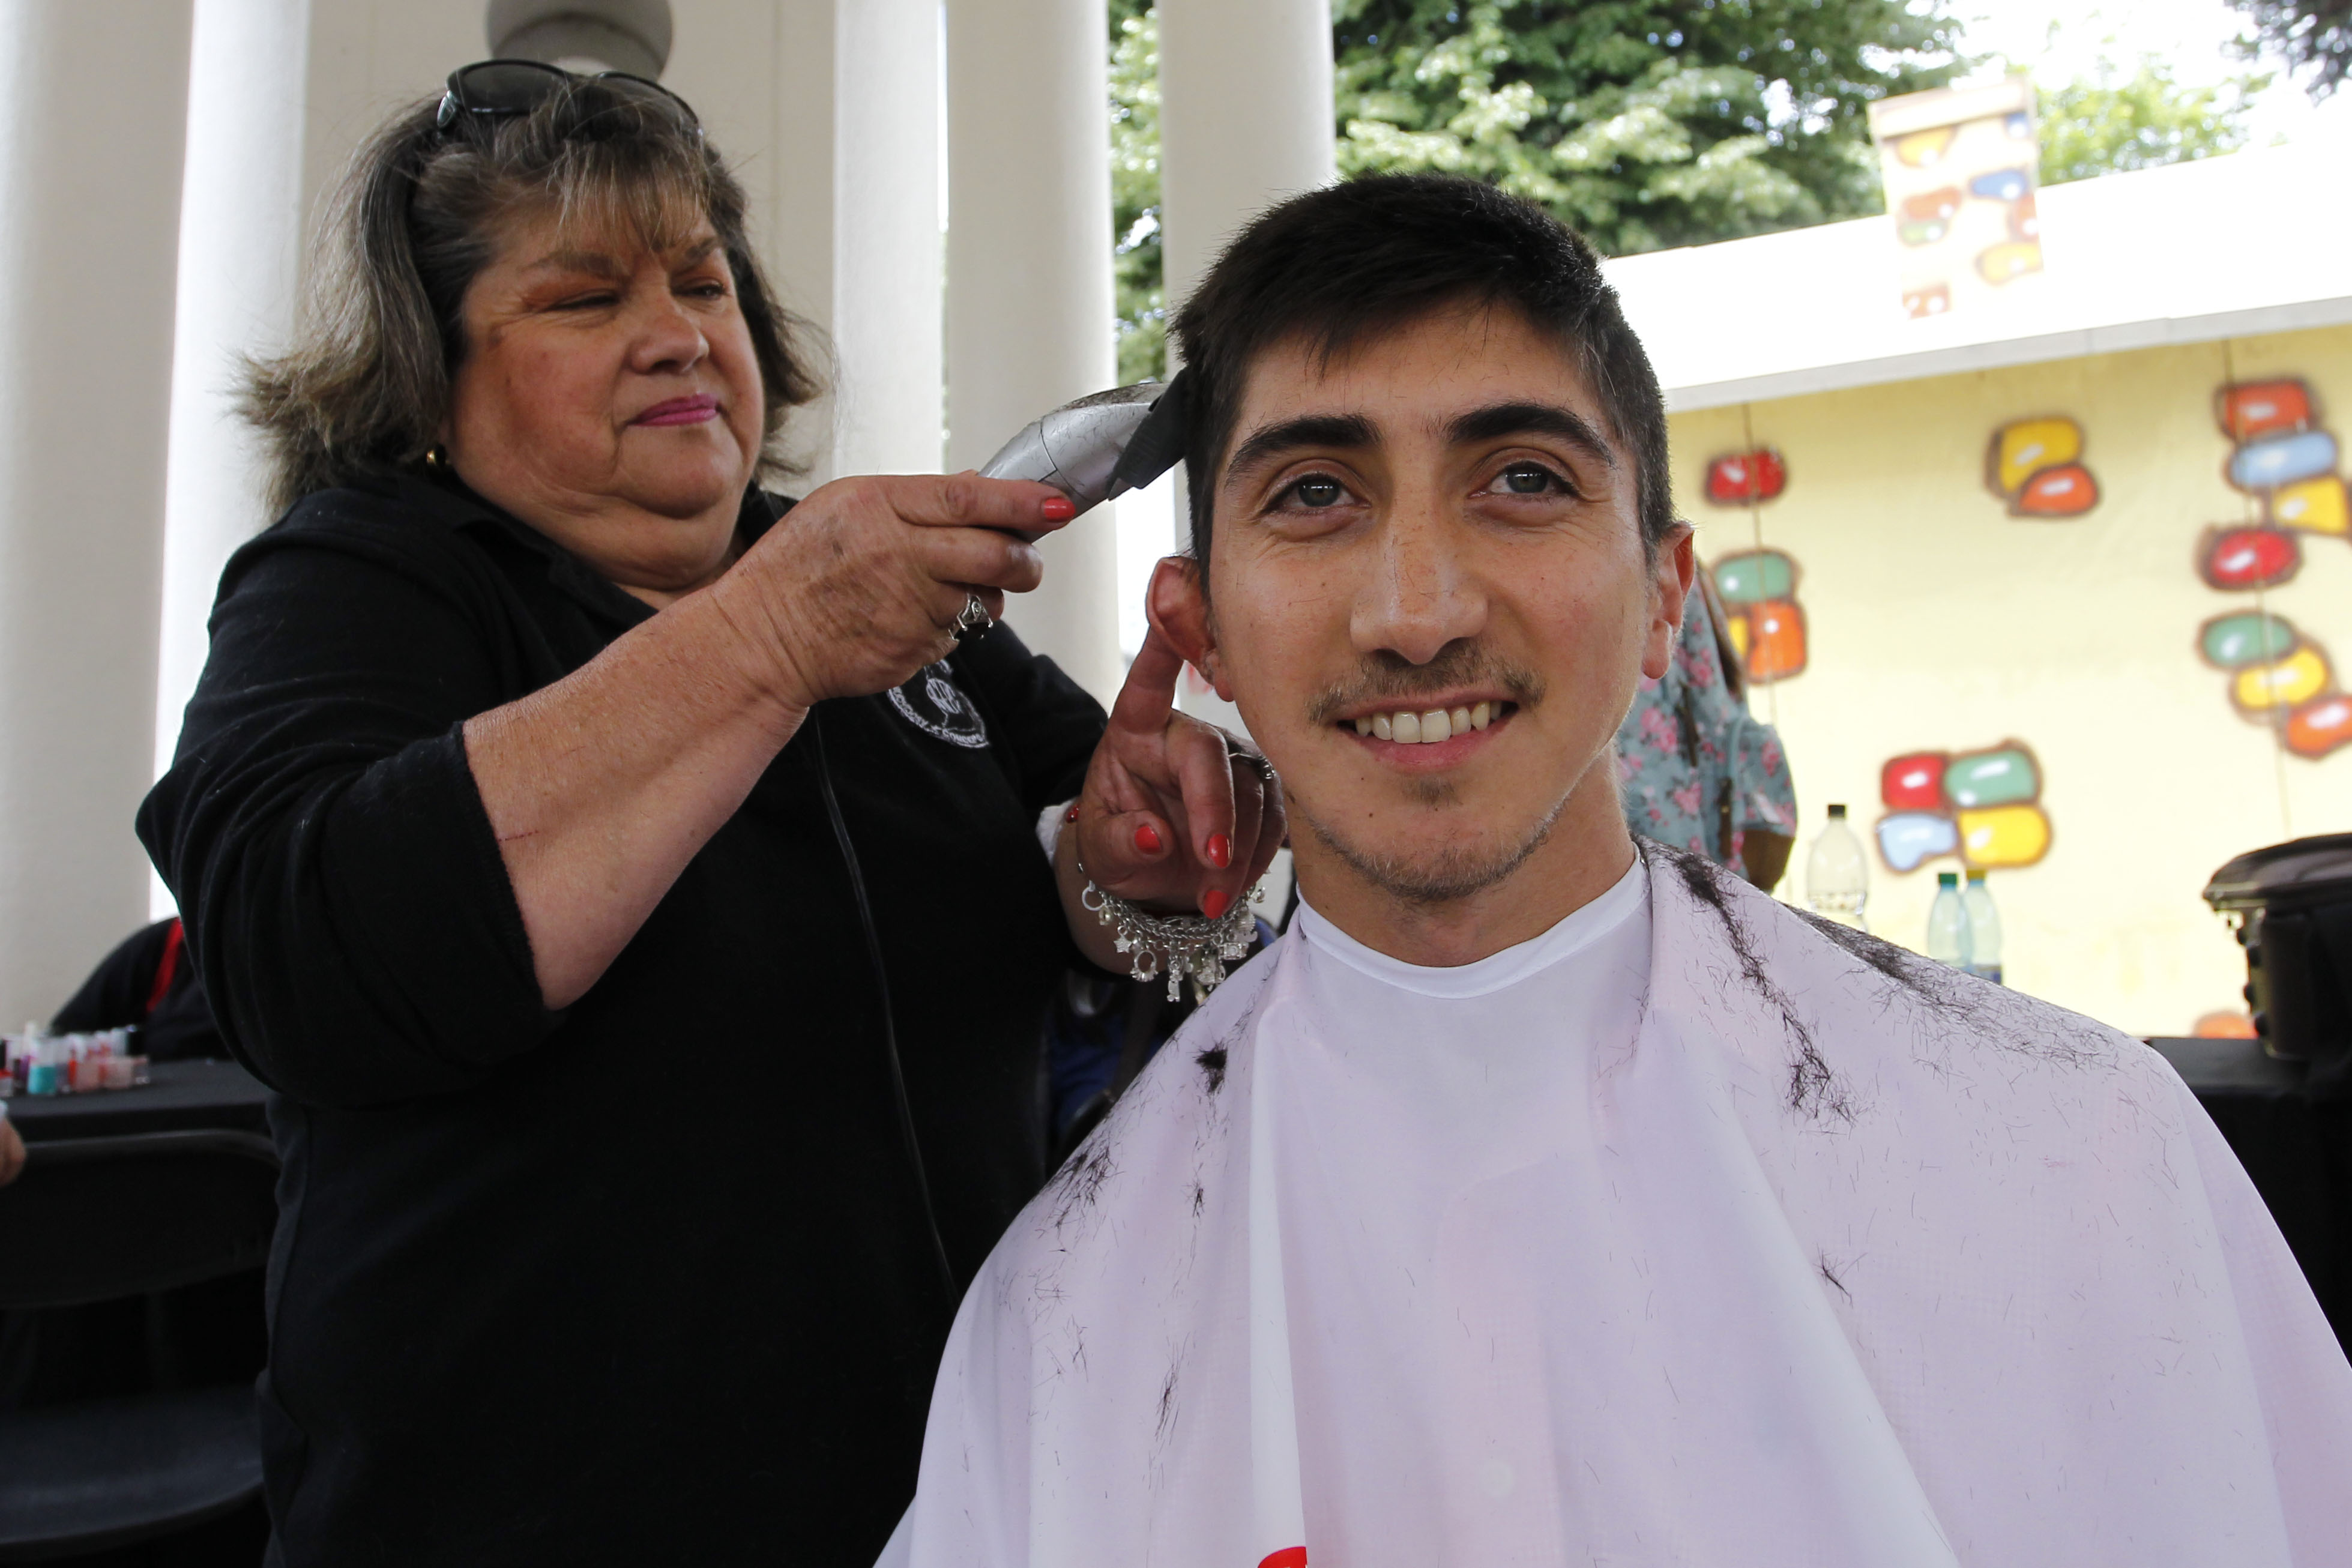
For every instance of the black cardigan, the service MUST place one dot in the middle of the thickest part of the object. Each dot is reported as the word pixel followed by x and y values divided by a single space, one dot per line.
pixel 647 1280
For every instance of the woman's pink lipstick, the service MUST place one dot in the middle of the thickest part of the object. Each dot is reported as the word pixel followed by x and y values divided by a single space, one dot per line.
pixel 691 410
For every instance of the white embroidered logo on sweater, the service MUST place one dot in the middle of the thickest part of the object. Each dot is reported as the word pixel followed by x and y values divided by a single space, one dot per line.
pixel 951 717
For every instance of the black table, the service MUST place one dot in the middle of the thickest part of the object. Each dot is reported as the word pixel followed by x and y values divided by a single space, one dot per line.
pixel 182 1095
pixel 2297 1149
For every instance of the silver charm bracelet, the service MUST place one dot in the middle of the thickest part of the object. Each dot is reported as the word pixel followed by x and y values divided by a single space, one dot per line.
pixel 1184 946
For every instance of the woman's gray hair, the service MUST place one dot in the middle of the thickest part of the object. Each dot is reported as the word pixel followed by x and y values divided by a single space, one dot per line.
pixel 414 219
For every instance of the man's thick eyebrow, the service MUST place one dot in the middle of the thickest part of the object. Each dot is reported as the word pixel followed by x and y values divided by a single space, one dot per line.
pixel 1349 431
pixel 1533 419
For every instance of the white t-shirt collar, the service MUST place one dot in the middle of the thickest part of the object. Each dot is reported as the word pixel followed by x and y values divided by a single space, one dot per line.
pixel 1580 929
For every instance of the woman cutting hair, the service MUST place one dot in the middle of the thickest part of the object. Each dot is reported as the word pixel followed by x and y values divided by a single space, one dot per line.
pixel 629 880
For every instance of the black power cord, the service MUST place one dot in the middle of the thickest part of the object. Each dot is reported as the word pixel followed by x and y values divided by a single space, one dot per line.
pixel 889 1024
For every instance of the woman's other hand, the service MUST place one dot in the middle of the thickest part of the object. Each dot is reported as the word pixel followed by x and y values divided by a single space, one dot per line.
pixel 859 586
pixel 12 1153
pixel 1176 815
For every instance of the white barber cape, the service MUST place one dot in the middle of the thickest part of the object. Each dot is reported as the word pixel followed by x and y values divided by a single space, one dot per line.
pixel 1687 1233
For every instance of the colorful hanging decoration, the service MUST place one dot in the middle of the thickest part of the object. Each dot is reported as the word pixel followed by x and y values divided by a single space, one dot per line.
pixel 2003 186
pixel 1928 217
pixel 1926 300
pixel 2280 677
pixel 1958 166
pixel 1739 479
pixel 1759 587
pixel 2009 259
pixel 1925 149
pixel 2260 408
pixel 2274 461
pixel 1763 619
pixel 1984 807
pixel 2231 559
pixel 2036 466
pixel 2318 726
pixel 2315 505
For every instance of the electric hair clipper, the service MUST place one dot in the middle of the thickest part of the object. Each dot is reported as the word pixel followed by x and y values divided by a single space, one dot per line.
pixel 1100 446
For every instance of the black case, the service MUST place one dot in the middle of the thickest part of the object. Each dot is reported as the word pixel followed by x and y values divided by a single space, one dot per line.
pixel 2292 904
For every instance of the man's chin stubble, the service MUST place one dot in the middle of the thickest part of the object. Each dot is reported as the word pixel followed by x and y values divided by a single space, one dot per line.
pixel 1454 875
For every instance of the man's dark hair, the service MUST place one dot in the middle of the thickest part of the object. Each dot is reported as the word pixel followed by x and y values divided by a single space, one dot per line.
pixel 1341 265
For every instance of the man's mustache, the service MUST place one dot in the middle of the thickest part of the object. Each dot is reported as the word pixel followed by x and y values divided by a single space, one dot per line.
pixel 1388 676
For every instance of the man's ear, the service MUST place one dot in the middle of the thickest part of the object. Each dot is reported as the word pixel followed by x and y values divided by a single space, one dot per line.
pixel 1670 584
pixel 1177 608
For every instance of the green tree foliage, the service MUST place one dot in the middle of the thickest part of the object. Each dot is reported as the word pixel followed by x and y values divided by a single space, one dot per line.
pixel 2111 124
pixel 1645 123
pixel 1134 189
pixel 2313 35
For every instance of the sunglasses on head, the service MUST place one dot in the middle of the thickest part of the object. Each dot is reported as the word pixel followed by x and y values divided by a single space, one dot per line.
pixel 488 89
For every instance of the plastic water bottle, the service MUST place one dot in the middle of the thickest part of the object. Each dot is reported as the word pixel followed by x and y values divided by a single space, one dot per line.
pixel 1948 922
pixel 1837 878
pixel 1984 929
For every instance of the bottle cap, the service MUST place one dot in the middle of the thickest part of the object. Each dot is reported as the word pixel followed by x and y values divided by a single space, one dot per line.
pixel 1947 879
pixel 1837 813
pixel 1977 876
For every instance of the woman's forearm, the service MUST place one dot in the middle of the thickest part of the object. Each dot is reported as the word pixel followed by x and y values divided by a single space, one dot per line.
pixel 603 785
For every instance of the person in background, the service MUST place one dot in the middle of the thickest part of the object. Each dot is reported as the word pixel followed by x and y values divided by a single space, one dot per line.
pixel 1696 772
pixel 147 982
pixel 642 890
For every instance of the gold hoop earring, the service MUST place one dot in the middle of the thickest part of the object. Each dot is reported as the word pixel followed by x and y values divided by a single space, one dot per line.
pixel 437 458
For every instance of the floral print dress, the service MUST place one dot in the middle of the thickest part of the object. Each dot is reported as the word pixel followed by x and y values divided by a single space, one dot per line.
pixel 1693 769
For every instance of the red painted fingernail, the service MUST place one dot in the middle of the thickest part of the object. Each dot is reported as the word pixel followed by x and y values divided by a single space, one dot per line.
pixel 1214 902
pixel 1071 815
pixel 1147 840
pixel 1057 508
pixel 1221 853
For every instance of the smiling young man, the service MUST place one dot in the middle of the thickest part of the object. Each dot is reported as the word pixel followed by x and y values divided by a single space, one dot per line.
pixel 1545 1197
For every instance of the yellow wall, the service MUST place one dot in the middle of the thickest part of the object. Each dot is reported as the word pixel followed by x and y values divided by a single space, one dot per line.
pixel 1936 622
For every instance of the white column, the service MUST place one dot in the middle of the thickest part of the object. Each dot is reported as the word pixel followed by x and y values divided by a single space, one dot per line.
pixel 369 58
pixel 93 113
pixel 1246 118
pixel 240 249
pixel 1029 280
pixel 888 325
pixel 761 75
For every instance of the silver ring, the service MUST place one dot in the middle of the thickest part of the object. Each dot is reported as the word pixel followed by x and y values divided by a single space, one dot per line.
pixel 973 616
pixel 1256 759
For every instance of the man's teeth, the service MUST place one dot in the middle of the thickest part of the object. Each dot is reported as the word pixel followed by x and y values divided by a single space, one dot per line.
pixel 1427 728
